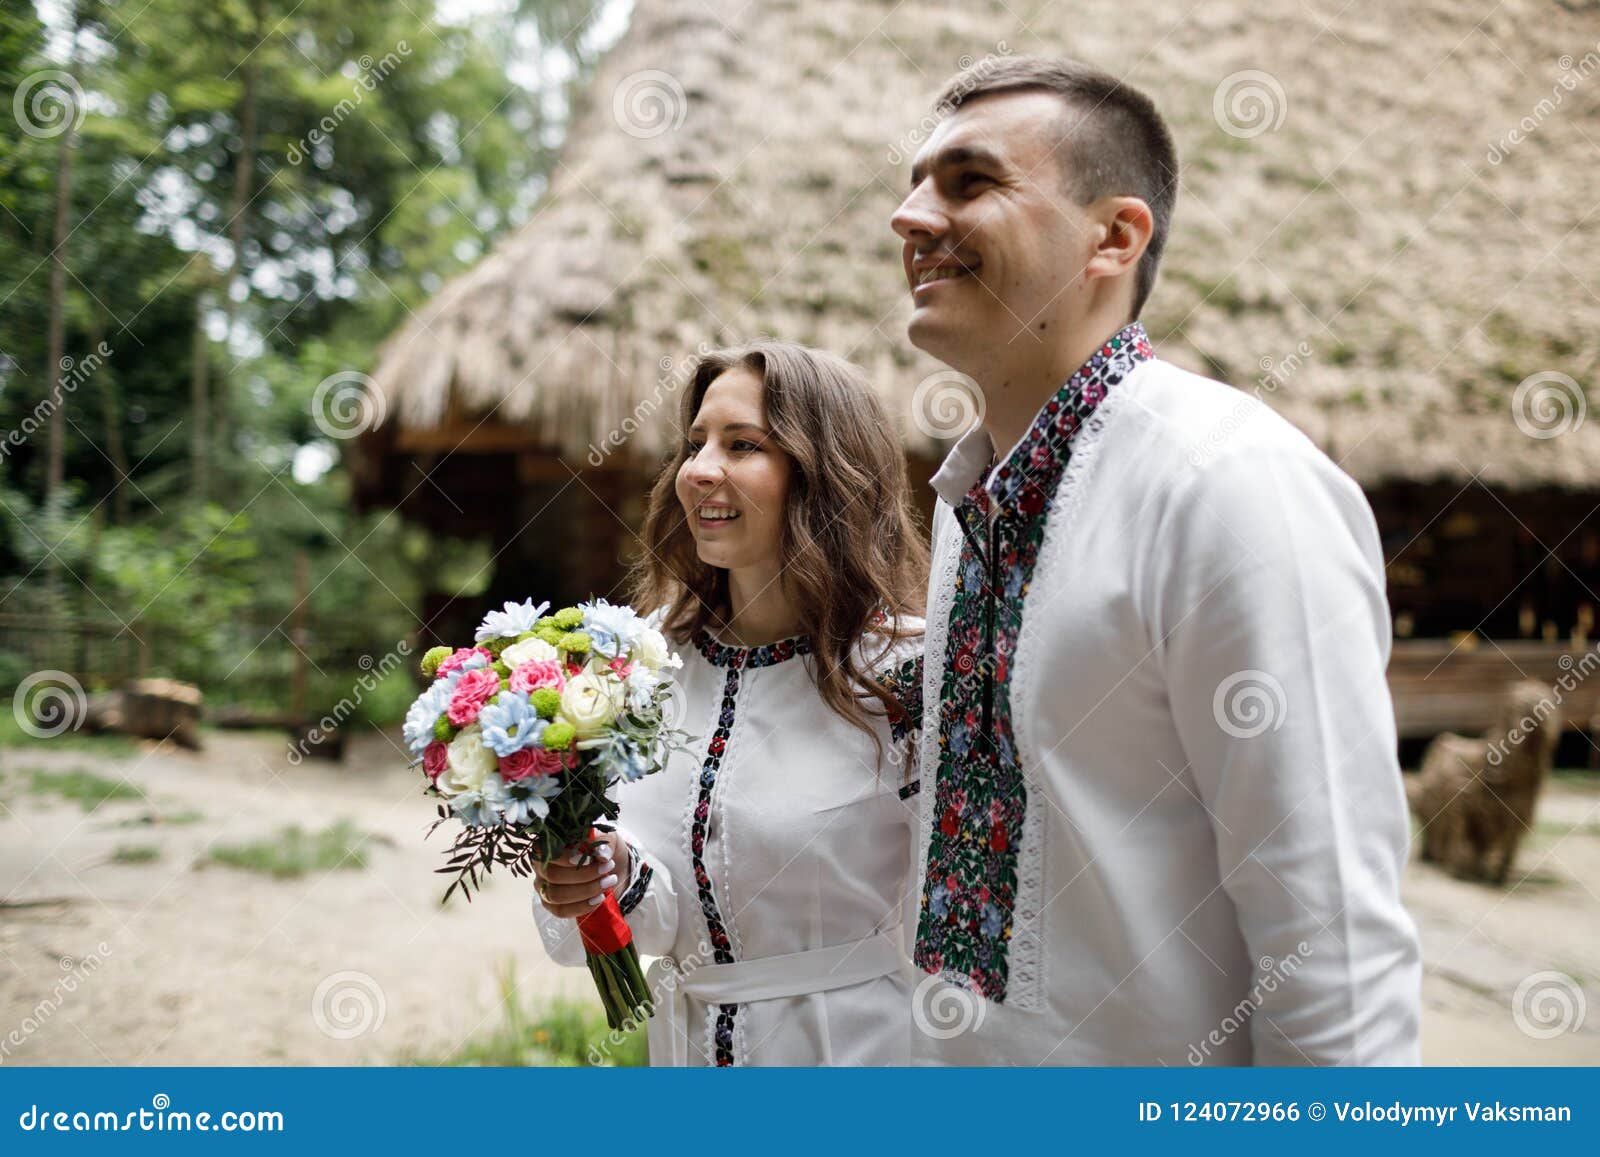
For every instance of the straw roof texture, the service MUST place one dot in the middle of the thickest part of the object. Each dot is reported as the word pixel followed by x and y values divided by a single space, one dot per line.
pixel 1359 231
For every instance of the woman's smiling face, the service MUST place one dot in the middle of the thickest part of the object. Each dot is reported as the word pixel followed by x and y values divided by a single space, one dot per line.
pixel 734 483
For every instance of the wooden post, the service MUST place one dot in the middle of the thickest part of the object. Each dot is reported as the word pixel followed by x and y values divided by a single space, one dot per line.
pixel 297 633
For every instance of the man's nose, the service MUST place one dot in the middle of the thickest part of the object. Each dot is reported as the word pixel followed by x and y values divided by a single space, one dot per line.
pixel 919 216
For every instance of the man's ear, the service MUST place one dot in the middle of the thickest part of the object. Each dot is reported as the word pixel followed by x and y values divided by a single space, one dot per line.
pixel 1126 226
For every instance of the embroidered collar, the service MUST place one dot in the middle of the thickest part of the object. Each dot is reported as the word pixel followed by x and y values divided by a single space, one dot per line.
pixel 1034 464
pixel 722 655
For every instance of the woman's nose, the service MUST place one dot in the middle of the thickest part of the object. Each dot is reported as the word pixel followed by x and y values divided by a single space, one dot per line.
pixel 705 468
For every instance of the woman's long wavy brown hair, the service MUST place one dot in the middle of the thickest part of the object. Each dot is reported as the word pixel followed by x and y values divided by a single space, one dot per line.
pixel 851 545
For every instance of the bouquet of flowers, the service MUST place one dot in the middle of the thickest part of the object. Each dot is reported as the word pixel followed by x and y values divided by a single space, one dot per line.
pixel 523 734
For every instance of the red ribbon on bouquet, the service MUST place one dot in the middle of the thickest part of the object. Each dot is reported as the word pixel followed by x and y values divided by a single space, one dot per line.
pixel 604 931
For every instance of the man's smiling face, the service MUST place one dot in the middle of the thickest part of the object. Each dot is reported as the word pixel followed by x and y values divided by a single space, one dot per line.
pixel 993 245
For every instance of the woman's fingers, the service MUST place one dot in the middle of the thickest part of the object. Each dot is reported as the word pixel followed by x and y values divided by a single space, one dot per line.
pixel 563 872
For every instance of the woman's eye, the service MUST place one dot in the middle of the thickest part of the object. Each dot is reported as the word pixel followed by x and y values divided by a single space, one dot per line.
pixel 690 449
pixel 743 446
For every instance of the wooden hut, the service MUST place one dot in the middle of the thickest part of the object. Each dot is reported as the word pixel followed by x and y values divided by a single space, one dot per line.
pixel 1386 228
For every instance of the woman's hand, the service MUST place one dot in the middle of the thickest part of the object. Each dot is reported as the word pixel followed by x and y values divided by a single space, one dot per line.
pixel 574 885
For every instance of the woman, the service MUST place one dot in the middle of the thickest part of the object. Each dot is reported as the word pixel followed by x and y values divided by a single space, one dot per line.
pixel 766 866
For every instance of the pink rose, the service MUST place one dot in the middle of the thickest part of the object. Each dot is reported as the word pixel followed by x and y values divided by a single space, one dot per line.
pixel 435 758
pixel 520 764
pixel 537 673
pixel 461 655
pixel 532 761
pixel 621 666
pixel 549 762
pixel 471 693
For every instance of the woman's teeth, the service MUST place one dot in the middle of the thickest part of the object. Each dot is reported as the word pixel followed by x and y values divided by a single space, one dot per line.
pixel 718 515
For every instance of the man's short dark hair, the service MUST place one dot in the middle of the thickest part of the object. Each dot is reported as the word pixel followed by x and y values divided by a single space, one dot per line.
pixel 1118 145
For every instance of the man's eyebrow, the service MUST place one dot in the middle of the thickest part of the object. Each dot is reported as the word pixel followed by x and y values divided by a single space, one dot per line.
pixel 955 155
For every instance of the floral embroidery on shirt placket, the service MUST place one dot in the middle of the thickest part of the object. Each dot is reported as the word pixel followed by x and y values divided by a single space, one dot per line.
pixel 980 797
pixel 736 660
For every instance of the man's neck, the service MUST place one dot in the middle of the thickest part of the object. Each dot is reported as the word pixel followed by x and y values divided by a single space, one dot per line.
pixel 1014 392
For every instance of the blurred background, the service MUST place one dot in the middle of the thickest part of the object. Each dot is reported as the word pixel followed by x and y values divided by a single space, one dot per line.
pixel 320 322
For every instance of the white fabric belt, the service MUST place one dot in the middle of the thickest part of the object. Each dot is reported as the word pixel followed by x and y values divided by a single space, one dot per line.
pixel 767 978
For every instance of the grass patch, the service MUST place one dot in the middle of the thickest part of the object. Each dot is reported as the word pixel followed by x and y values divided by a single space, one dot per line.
pixel 85 787
pixel 136 854
pixel 108 746
pixel 294 852
pixel 555 1032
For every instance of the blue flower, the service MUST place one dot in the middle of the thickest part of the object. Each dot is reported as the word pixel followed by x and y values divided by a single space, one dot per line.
pixel 993 921
pixel 620 758
pixel 482 808
pixel 510 724
pixel 424 712
pixel 960 738
pixel 972 576
pixel 528 799
pixel 939 900
pixel 511 622
pixel 613 629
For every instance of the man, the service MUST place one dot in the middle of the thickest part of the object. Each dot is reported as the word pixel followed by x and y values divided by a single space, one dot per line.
pixel 1162 817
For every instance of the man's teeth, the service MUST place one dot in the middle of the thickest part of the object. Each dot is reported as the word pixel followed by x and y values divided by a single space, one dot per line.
pixel 940 274
pixel 718 514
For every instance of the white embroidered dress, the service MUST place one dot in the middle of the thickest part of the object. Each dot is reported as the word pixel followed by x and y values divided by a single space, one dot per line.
pixel 771 863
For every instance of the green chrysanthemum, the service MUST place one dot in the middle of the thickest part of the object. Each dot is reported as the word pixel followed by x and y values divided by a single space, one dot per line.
pixel 443 730
pixel 575 642
pixel 546 701
pixel 431 659
pixel 567 618
pixel 559 736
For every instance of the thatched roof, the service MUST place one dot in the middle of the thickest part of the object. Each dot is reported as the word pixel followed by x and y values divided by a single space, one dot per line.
pixel 1426 279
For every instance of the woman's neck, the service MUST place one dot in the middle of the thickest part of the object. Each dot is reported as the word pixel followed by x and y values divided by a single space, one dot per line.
pixel 759 609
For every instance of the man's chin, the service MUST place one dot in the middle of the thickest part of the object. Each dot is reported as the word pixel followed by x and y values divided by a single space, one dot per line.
pixel 935 337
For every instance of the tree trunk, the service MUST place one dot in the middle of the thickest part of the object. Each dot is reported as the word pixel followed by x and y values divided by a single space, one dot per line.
pixel 56 341
pixel 199 408
pixel 244 165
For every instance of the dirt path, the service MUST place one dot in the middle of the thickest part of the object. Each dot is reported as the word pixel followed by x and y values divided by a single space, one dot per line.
pixel 214 965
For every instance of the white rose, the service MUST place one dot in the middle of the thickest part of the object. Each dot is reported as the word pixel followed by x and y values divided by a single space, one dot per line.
pixel 651 651
pixel 589 702
pixel 528 651
pixel 470 763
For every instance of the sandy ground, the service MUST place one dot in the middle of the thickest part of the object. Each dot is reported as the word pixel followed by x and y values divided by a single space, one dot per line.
pixel 170 963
